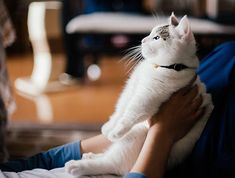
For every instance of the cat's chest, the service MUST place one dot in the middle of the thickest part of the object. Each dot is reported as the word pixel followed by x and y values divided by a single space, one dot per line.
pixel 148 75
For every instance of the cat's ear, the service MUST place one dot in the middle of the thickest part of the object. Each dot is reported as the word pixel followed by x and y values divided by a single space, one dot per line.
pixel 173 20
pixel 184 29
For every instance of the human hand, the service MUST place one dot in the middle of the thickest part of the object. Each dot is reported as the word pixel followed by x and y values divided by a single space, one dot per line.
pixel 173 120
pixel 177 115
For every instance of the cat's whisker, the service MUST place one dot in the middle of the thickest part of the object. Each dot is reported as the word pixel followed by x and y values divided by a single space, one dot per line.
pixel 130 53
pixel 129 50
pixel 156 17
pixel 136 58
pixel 133 50
pixel 129 70
pixel 129 59
pixel 132 67
pixel 131 64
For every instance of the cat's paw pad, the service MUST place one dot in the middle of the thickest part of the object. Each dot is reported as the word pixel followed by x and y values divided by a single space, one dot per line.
pixel 117 133
pixel 75 168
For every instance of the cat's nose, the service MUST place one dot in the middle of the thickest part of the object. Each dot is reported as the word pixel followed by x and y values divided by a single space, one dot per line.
pixel 144 40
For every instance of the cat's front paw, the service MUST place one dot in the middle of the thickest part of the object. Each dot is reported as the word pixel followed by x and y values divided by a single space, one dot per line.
pixel 70 166
pixel 118 132
pixel 75 168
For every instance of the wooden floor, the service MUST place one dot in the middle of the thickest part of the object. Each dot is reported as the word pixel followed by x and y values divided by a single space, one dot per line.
pixel 72 114
pixel 87 103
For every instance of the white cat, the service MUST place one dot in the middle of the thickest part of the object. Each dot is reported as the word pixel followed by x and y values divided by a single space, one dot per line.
pixel 169 64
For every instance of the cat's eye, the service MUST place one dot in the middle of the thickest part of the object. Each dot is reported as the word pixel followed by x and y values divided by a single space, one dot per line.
pixel 156 37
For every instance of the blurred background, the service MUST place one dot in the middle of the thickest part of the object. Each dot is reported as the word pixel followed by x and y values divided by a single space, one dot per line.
pixel 64 65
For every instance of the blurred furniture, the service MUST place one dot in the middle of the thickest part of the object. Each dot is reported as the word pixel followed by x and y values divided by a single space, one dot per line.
pixel 98 33
pixel 76 67
pixel 109 24
pixel 112 31
pixel 222 11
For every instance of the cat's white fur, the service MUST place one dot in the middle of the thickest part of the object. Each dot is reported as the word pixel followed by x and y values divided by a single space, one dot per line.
pixel 147 88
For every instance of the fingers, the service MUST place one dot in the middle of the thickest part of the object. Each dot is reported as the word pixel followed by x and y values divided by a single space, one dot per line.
pixel 192 80
pixel 187 94
pixel 199 113
pixel 197 102
pixel 191 95
pixel 196 111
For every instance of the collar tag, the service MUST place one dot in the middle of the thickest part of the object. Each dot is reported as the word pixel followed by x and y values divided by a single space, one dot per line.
pixel 156 65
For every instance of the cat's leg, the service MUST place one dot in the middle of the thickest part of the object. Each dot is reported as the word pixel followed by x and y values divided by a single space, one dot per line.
pixel 123 101
pixel 124 126
pixel 139 109
pixel 108 126
pixel 118 159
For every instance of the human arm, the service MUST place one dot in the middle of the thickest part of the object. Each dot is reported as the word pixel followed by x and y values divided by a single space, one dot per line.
pixel 57 157
pixel 96 144
pixel 166 129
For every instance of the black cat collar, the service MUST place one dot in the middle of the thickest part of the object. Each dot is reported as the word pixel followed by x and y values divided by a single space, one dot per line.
pixel 177 67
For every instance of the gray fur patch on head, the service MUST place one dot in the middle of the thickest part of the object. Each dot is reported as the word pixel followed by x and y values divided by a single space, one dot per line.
pixel 164 32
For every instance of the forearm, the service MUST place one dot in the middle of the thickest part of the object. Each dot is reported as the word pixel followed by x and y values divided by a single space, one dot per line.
pixel 96 144
pixel 57 157
pixel 153 157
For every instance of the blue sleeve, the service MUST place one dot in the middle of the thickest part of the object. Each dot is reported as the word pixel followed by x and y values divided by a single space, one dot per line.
pixel 53 158
pixel 135 175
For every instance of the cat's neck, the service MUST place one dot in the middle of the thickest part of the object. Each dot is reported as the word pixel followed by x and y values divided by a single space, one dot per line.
pixel 167 60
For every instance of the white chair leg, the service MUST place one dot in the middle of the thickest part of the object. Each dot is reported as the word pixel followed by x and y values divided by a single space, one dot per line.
pixel 42 68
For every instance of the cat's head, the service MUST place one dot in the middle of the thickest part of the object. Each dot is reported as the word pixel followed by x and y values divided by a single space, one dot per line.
pixel 170 42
